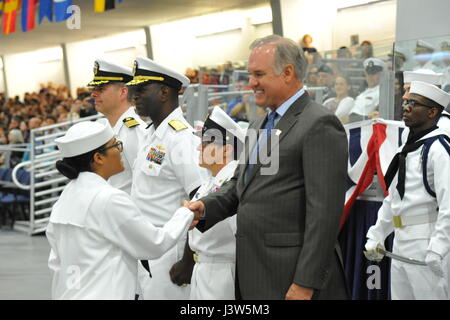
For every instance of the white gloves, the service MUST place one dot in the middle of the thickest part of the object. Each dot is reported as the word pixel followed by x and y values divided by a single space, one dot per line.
pixel 371 252
pixel 434 262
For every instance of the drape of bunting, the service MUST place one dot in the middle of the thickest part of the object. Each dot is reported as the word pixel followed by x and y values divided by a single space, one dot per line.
pixel 28 9
pixel 10 8
pixel 372 145
pixel 104 5
pixel 45 10
pixel 60 9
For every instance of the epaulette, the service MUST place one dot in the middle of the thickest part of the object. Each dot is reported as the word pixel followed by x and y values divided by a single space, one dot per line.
pixel 130 122
pixel 177 125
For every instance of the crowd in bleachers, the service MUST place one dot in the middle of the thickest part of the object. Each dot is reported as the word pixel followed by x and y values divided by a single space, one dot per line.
pixel 18 116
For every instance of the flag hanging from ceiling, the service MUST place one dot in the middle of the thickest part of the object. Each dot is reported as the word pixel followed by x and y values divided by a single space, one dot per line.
pixel 103 5
pixel 60 8
pixel 45 10
pixel 1 7
pixel 28 7
pixel 10 8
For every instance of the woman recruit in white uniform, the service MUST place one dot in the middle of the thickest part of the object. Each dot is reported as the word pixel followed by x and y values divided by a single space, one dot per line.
pixel 96 232
pixel 214 251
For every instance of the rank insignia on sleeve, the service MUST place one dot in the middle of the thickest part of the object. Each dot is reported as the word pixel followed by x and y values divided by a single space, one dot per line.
pixel 130 122
pixel 177 125
pixel 155 155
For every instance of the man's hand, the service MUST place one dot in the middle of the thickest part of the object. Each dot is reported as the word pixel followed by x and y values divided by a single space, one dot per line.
pixel 297 292
pixel 181 272
pixel 198 207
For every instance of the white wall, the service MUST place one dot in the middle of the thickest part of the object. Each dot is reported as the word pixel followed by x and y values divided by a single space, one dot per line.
pixel 373 22
pixel 210 39
pixel 332 28
pixel 25 71
pixel 120 49
pixel 422 19
pixel 312 17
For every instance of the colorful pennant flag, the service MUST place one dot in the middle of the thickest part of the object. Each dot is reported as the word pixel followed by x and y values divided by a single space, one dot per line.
pixel 10 8
pixel 28 8
pixel 103 5
pixel 45 10
pixel 60 8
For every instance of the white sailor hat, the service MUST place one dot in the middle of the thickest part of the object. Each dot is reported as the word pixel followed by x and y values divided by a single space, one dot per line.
pixel 106 72
pixel 146 70
pixel 374 65
pixel 431 92
pixel 83 137
pixel 219 120
pixel 424 75
pixel 423 46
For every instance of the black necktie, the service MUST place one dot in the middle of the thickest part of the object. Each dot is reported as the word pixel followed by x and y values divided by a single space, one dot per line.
pixel 398 163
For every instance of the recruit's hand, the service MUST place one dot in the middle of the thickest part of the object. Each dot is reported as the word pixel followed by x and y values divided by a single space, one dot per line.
pixel 434 262
pixel 371 252
pixel 194 220
pixel 297 292
pixel 181 272
pixel 198 207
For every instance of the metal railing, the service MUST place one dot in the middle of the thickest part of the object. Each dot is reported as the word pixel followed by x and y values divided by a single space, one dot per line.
pixel 46 183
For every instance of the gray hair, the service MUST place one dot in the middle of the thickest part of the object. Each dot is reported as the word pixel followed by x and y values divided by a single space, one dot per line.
pixel 16 136
pixel 287 52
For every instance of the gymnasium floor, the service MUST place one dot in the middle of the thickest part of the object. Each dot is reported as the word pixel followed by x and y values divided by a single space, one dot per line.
pixel 24 273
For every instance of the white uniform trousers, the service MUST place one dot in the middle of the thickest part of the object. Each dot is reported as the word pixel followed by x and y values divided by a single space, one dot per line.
pixel 213 279
pixel 159 286
pixel 415 282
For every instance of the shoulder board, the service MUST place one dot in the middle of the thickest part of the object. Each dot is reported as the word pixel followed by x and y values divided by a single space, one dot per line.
pixel 130 122
pixel 177 125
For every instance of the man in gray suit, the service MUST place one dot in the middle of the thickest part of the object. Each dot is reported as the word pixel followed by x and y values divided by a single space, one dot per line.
pixel 287 222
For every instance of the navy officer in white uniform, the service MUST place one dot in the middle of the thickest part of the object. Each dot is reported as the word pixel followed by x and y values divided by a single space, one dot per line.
pixel 166 170
pixel 113 100
pixel 367 102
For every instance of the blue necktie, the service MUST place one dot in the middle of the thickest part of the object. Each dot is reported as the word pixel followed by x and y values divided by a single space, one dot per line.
pixel 261 141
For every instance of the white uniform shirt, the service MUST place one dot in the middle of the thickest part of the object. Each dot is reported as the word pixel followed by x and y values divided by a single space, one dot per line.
pixel 166 169
pixel 418 201
pixel 220 240
pixel 130 138
pixel 96 234
pixel 367 101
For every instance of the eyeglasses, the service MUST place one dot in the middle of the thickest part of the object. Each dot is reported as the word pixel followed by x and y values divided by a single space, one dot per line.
pixel 414 103
pixel 118 145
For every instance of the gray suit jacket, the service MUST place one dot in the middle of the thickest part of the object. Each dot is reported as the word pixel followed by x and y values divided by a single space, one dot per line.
pixel 287 223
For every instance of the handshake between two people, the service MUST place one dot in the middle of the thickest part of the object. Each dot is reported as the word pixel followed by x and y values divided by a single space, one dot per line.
pixel 198 208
